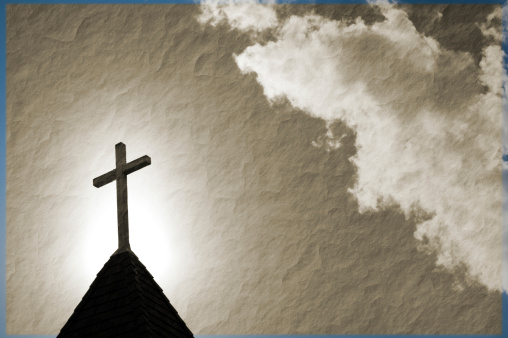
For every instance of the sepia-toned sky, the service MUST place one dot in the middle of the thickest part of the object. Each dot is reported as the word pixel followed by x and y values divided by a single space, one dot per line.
pixel 316 169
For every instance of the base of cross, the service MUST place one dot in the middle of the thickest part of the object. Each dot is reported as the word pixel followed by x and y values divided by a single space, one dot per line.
pixel 122 249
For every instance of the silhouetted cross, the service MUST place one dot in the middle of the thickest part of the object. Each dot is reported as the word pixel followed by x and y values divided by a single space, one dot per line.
pixel 120 175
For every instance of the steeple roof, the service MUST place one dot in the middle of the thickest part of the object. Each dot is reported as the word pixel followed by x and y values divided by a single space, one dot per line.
pixel 125 301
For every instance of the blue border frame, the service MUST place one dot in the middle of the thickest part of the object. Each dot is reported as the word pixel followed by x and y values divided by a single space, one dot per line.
pixel 3 24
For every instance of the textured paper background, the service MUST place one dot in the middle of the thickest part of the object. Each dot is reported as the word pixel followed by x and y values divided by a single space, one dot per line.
pixel 246 201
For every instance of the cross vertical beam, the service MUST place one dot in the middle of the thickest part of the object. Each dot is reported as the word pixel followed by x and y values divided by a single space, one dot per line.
pixel 120 175
pixel 121 198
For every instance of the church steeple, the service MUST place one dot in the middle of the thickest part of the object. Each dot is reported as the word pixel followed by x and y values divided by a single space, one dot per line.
pixel 124 300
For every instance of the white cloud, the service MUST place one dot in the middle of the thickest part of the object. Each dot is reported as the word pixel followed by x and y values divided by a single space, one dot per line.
pixel 427 137
pixel 505 17
pixel 244 15
pixel 489 28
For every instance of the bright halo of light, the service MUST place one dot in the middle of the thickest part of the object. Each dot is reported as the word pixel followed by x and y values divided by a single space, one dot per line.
pixel 150 237
pixel 101 238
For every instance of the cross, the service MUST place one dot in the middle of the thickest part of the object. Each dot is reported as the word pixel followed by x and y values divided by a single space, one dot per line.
pixel 120 175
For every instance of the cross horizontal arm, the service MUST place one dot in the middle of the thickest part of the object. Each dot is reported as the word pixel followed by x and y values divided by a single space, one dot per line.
pixel 136 164
pixel 108 177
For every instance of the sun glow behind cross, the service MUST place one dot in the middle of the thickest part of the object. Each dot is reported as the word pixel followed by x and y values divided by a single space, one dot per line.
pixel 150 238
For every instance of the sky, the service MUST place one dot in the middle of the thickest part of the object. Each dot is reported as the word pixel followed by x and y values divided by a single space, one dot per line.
pixel 302 148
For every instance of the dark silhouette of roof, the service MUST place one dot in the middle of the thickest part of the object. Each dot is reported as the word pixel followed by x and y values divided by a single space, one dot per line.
pixel 125 301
